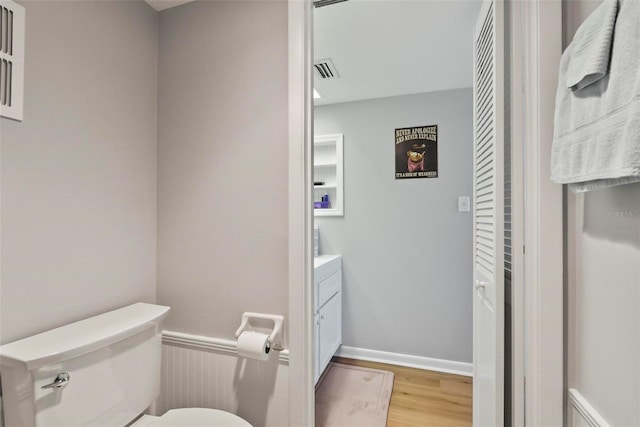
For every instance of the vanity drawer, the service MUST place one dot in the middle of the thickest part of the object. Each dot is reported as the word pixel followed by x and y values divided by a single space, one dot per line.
pixel 328 288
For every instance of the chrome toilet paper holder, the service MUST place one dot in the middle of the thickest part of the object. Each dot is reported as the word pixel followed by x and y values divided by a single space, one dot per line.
pixel 275 342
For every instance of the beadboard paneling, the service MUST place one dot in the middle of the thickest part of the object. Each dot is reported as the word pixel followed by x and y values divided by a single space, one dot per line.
pixel 194 377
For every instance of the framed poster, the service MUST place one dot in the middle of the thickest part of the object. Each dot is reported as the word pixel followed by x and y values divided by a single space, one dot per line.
pixel 417 152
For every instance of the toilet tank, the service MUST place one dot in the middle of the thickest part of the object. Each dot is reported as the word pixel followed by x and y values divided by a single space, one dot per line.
pixel 113 361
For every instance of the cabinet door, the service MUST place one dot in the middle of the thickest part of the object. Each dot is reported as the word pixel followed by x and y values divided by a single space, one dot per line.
pixel 330 333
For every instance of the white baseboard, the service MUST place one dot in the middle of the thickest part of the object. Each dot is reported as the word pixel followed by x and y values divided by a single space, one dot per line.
pixel 419 362
pixel 585 410
pixel 216 345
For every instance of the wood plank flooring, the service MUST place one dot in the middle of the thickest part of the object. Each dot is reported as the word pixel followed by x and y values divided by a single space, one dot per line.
pixel 424 398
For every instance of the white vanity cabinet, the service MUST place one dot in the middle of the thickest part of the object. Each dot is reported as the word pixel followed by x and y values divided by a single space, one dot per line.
pixel 327 287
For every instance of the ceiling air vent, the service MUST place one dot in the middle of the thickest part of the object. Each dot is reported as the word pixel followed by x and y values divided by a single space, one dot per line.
pixel 11 59
pixel 325 69
pixel 320 3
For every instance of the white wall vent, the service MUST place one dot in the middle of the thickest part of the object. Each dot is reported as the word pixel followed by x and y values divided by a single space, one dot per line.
pixel 325 69
pixel 11 59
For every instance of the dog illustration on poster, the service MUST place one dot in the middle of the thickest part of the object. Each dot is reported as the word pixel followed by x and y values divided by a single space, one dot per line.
pixel 417 152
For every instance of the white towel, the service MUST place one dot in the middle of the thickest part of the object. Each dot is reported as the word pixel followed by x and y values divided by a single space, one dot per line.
pixel 596 140
pixel 591 51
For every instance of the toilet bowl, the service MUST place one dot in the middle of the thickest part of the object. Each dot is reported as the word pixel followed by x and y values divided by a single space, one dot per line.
pixel 102 371
pixel 191 417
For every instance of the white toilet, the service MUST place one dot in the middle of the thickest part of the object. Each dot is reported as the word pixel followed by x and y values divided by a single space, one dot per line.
pixel 101 371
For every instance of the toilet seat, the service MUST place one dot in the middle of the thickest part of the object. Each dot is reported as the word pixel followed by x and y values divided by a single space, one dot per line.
pixel 196 417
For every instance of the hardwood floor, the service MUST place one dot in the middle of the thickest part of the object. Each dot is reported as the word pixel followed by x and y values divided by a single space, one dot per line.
pixel 424 398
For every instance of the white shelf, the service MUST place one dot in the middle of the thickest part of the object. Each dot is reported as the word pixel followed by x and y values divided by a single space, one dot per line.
pixel 327 212
pixel 328 167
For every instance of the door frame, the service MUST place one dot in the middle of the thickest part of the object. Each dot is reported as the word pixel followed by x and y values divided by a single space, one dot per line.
pixel 300 325
pixel 538 305
pixel 536 47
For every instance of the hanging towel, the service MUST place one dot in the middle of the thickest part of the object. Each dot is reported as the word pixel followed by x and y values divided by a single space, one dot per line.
pixel 596 140
pixel 591 51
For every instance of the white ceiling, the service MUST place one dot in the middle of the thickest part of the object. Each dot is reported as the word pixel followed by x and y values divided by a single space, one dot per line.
pixel 166 4
pixel 394 47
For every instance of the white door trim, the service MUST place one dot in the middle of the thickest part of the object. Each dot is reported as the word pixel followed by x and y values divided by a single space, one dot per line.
pixel 540 50
pixel 301 385
pixel 516 139
pixel 538 349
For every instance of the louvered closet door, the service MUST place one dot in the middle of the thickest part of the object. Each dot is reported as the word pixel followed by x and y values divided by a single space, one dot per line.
pixel 488 306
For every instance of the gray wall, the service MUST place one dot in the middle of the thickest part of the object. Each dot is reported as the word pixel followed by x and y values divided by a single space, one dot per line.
pixel 406 250
pixel 222 171
pixel 603 289
pixel 78 183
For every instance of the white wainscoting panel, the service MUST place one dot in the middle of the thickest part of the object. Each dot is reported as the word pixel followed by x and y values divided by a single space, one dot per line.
pixel 419 362
pixel 205 372
pixel 584 415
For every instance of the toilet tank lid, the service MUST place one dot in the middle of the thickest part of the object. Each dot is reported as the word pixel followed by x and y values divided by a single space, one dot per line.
pixel 81 337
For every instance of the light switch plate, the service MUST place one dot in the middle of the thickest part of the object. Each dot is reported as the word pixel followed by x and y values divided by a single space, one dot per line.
pixel 464 204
